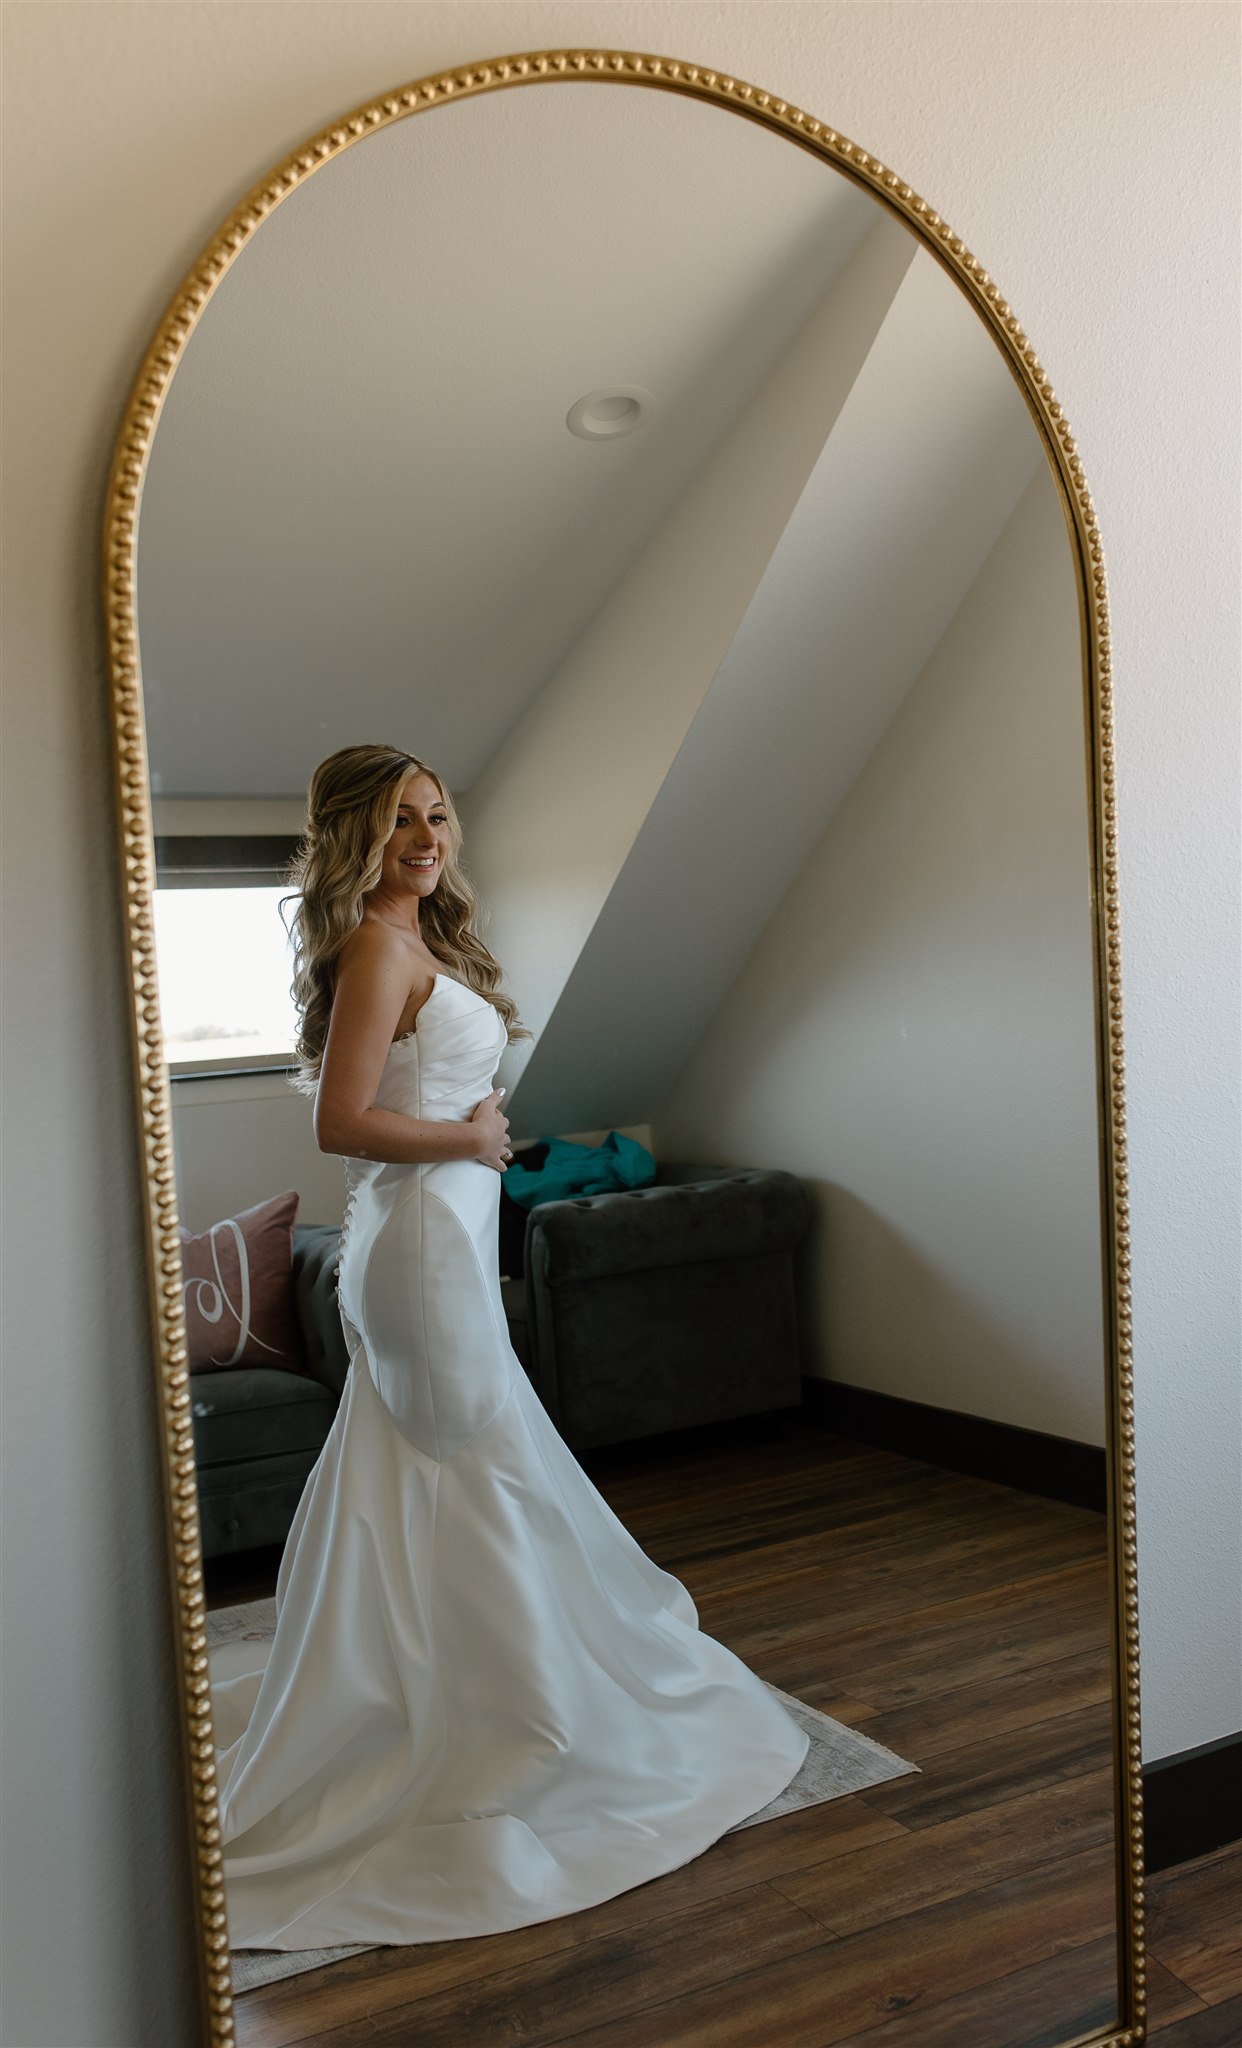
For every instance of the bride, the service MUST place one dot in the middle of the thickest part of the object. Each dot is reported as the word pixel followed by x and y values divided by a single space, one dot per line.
pixel 483 1705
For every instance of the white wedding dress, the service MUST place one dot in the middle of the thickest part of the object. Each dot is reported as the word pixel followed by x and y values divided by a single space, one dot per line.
pixel 484 1705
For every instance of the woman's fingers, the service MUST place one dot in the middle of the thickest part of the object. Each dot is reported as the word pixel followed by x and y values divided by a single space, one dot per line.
pixel 488 1111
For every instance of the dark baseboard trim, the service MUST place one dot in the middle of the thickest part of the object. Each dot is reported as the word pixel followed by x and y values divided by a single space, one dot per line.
pixel 1192 1803
pixel 1054 1466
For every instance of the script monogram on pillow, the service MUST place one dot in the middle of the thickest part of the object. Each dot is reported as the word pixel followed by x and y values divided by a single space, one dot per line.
pixel 238 1290
pixel 211 1297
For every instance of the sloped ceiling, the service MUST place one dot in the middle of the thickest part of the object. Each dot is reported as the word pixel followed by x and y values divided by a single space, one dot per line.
pixel 365 517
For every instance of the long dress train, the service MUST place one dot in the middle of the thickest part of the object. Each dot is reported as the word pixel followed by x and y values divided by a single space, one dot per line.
pixel 484 1705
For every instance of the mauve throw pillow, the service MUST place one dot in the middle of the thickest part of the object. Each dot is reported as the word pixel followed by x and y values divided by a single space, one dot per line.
pixel 238 1283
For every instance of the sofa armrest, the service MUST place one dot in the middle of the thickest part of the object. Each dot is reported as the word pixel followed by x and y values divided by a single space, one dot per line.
pixel 316 1250
pixel 740 1214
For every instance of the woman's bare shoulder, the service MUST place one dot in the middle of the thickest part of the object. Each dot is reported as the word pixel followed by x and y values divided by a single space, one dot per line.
pixel 374 940
pixel 382 969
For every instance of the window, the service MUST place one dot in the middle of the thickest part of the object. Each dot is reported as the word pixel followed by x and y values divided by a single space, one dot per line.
pixel 225 964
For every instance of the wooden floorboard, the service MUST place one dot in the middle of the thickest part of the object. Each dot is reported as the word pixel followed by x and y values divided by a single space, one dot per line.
pixel 969 1906
pixel 961 1856
pixel 1215 2026
pixel 1194 1925
pixel 833 1992
pixel 992 1707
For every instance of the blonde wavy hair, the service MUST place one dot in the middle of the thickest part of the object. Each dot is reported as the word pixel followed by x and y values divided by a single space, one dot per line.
pixel 352 809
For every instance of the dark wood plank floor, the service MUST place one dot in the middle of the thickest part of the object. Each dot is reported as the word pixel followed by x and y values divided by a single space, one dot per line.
pixel 963 1624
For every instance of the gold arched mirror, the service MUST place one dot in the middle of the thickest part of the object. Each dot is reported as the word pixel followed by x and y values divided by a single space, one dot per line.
pixel 653 461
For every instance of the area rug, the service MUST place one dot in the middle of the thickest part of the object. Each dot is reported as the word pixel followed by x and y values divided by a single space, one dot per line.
pixel 839 1761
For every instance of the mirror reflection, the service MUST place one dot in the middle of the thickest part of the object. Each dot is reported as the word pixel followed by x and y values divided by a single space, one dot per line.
pixel 647 481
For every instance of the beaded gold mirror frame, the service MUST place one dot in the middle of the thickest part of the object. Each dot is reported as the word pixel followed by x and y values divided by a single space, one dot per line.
pixel 137 852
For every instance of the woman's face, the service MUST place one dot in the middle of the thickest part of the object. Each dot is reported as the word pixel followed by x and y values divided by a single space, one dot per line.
pixel 419 844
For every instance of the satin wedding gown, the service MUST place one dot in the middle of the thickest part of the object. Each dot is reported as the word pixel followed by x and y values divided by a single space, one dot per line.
pixel 484 1705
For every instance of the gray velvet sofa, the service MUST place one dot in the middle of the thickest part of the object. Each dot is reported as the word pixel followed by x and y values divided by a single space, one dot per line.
pixel 662 1307
pixel 633 1313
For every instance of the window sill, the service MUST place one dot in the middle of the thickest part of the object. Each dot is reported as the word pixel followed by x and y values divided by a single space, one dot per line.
pixel 233 1084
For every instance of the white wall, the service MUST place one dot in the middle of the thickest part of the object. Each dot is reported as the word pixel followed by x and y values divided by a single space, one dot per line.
pixel 1084 152
pixel 241 1139
pixel 913 1031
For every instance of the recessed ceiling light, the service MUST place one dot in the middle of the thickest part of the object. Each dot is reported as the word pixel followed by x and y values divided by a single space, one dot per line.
pixel 603 415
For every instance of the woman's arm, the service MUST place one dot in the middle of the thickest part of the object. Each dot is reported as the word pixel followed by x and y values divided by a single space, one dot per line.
pixel 373 986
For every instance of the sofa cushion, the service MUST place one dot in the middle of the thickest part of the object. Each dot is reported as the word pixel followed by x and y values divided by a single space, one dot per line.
pixel 256 1412
pixel 741 1213
pixel 238 1287
pixel 316 1253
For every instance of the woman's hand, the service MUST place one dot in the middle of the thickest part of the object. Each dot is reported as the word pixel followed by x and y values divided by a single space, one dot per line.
pixel 493 1129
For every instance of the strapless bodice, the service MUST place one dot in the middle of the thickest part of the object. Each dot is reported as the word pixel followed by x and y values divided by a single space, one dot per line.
pixel 444 1067
pixel 441 1070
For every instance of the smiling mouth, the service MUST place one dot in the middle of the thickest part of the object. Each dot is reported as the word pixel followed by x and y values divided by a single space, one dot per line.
pixel 430 862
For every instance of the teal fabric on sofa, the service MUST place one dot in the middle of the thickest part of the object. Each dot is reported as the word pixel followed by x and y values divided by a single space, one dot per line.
pixel 567 1169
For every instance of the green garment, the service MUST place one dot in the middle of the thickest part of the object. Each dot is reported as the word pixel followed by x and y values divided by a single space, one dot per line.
pixel 569 1169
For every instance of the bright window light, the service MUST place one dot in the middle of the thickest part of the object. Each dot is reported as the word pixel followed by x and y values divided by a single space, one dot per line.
pixel 225 964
